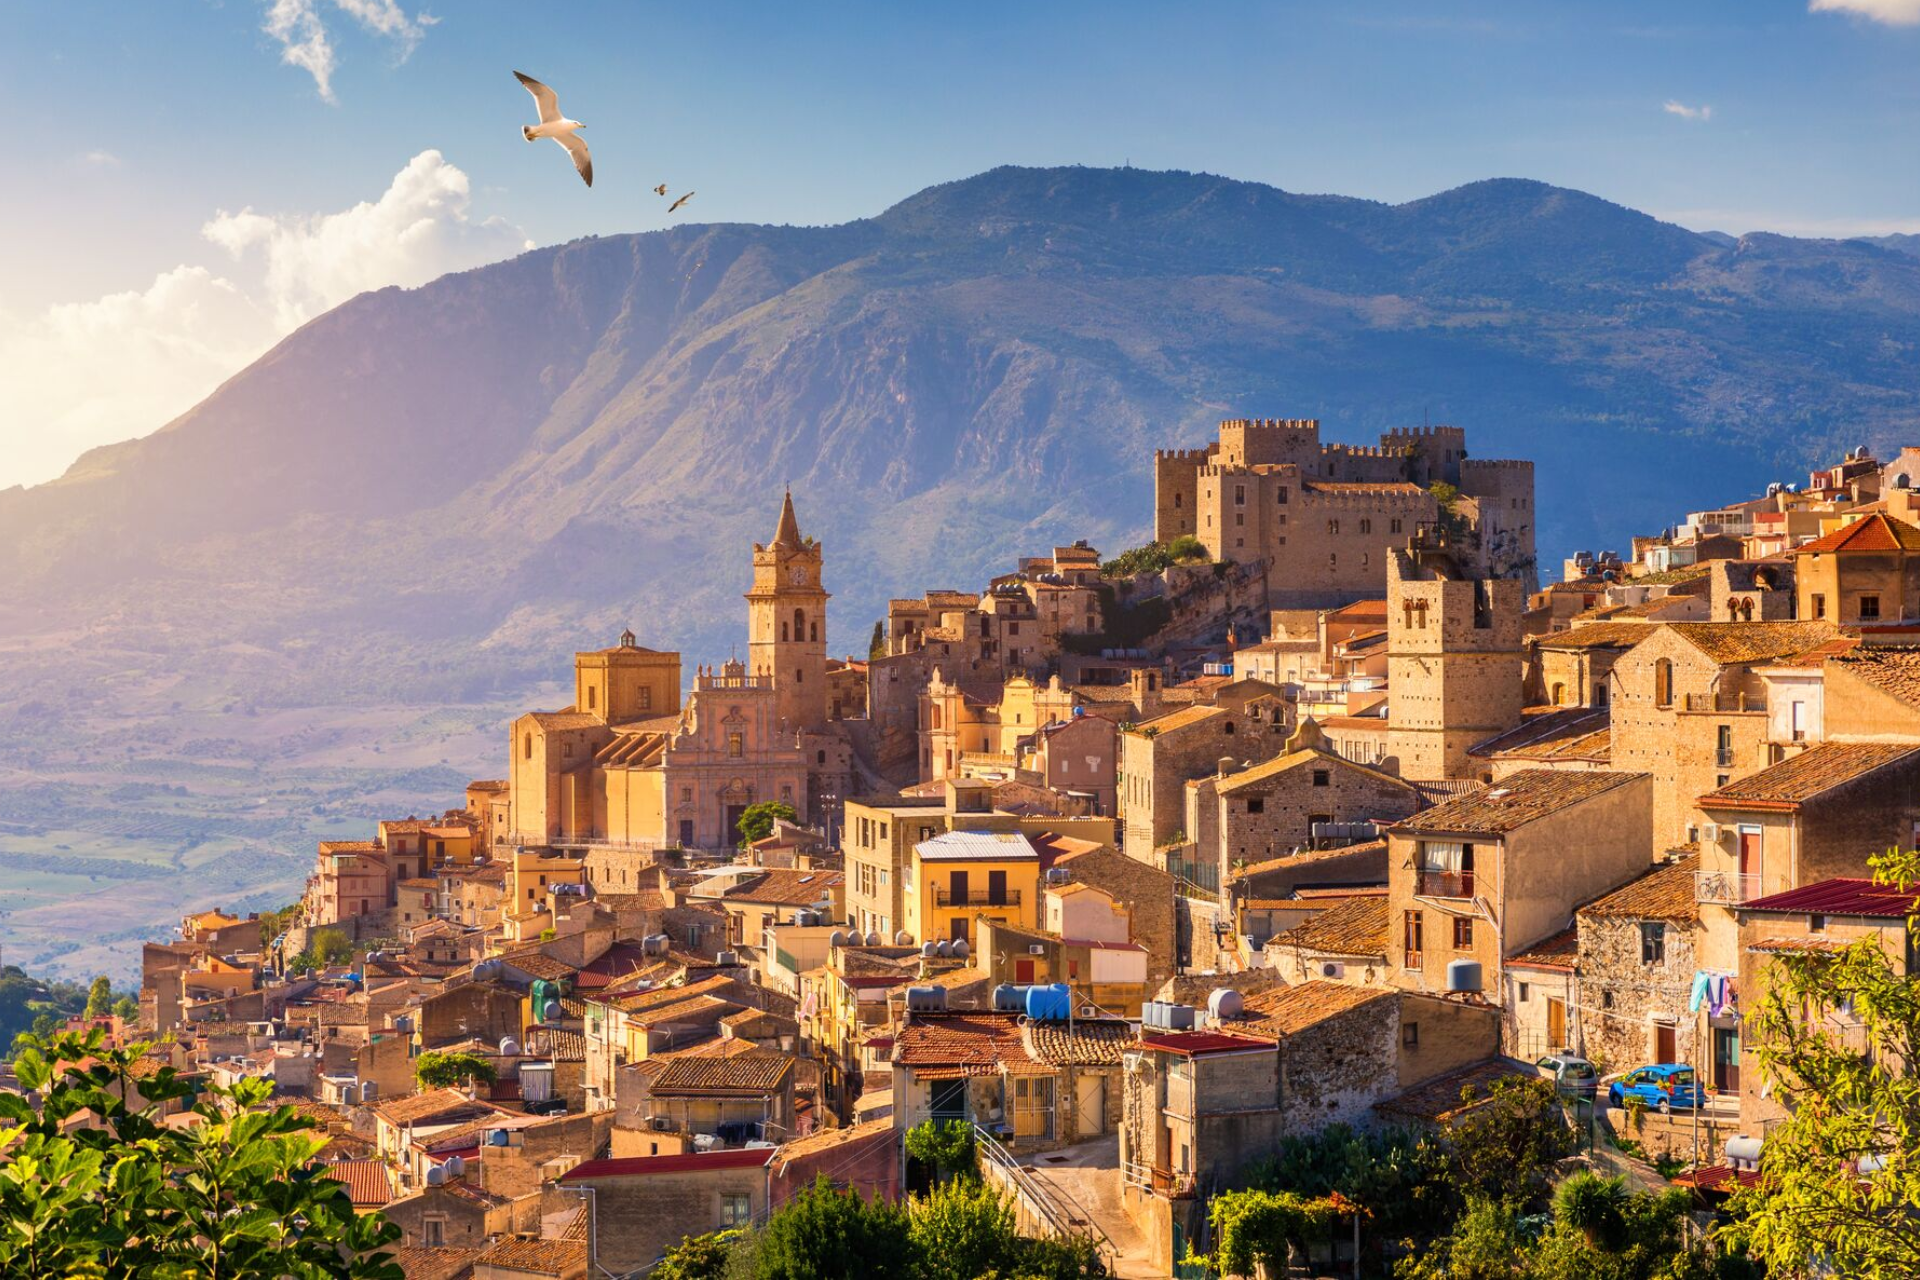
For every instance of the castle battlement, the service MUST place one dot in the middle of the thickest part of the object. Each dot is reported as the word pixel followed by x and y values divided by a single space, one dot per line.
pixel 1496 464
pixel 1423 433
pixel 1195 456
pixel 1270 424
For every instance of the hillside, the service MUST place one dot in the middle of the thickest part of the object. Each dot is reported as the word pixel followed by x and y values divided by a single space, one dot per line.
pixel 434 495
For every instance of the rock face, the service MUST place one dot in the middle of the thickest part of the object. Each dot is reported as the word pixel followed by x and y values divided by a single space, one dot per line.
pixel 436 492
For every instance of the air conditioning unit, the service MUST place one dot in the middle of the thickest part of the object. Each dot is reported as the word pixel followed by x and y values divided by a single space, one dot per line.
pixel 662 1124
pixel 1332 969
pixel 1036 949
pixel 1710 833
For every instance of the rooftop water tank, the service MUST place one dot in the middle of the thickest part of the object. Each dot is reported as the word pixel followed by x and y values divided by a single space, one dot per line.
pixel 1008 998
pixel 1225 1003
pixel 1463 975
pixel 1052 1002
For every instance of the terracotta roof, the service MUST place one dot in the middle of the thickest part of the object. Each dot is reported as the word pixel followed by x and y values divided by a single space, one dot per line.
pixel 1718 1178
pixel 1840 897
pixel 1553 733
pixel 1815 771
pixel 1269 769
pixel 367 1181
pixel 1191 1044
pixel 745 1073
pixel 970 1043
pixel 642 900
pixel 1294 862
pixel 557 1043
pixel 1516 800
pixel 568 719
pixel 1876 532
pixel 537 1257
pixel 421 1262
pixel 1892 670
pixel 1089 1043
pixel 1799 946
pixel 824 1140
pixel 1284 1011
pixel 1357 927
pixel 1557 952
pixel 1447 1097
pixel 1360 611
pixel 1597 635
pixel 537 964
pixel 419 1107
pixel 1664 893
pixel 1181 719
pixel 788 888
pixel 1739 642
pixel 691 1162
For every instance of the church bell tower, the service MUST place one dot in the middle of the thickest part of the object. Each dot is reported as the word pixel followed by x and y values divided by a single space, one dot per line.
pixel 787 623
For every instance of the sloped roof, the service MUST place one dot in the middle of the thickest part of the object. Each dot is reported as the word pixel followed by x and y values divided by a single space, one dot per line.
pixel 1518 799
pixel 1452 1095
pixel 1597 635
pixel 1557 952
pixel 1892 670
pixel 536 1257
pixel 368 1183
pixel 1554 733
pixel 965 1043
pixel 1876 531
pixel 788 887
pixel 743 1073
pixel 1269 769
pixel 432 1105
pixel 1844 896
pixel 1088 1043
pixel 691 1162
pixel 824 1140
pixel 1797 779
pixel 1357 927
pixel 423 1262
pixel 1664 893
pixel 1284 1011
pixel 1738 642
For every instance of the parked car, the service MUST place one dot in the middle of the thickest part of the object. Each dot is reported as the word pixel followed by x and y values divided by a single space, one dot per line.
pixel 1568 1073
pixel 1664 1086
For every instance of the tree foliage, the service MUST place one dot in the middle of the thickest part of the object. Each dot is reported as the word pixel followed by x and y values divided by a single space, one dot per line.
pixel 756 821
pixel 945 1146
pixel 827 1234
pixel 325 947
pixel 1598 1232
pixel 698 1258
pixel 448 1069
pixel 877 644
pixel 1263 1228
pixel 1154 556
pixel 123 1195
pixel 963 1230
pixel 1506 1149
pixel 1837 1033
pixel 99 998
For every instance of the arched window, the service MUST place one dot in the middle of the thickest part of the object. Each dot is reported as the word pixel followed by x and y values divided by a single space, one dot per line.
pixel 813 631
pixel 783 631
pixel 1559 695
pixel 1663 683
pixel 799 624
pixel 529 747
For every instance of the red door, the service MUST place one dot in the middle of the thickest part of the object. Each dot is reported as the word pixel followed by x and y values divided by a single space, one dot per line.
pixel 1749 865
pixel 1023 971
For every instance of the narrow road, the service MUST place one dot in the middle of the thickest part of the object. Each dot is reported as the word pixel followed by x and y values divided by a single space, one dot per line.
pixel 1086 1180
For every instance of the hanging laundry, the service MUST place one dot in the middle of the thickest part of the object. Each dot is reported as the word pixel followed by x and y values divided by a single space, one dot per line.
pixel 1700 979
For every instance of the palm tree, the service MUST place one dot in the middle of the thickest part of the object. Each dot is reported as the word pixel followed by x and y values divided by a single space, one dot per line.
pixel 1592 1205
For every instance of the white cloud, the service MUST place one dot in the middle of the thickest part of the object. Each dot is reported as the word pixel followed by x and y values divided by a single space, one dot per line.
pixel 100 159
pixel 88 373
pixel 1741 221
pixel 1685 112
pixel 306 43
pixel 1895 13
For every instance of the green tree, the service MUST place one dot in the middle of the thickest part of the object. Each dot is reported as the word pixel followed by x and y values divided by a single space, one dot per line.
pixel 1186 547
pixel 325 947
pixel 756 823
pixel 446 1069
pixel 99 997
pixel 877 645
pixel 946 1146
pixel 1592 1205
pixel 827 1234
pixel 698 1258
pixel 1505 1149
pixel 1485 1244
pixel 127 1009
pixel 1839 1175
pixel 963 1230
pixel 122 1195
pixel 1263 1228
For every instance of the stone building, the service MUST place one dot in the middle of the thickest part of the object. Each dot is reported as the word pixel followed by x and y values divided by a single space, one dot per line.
pixel 1570 668
pixel 1572 738
pixel 1455 665
pixel 1323 516
pixel 645 1205
pixel 1638 954
pixel 1865 573
pixel 1541 1005
pixel 1159 757
pixel 1688 706
pixel 1491 873
pixel 1344 943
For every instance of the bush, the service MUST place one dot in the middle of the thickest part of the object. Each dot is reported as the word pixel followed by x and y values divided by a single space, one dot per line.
pixel 444 1069
pixel 946 1146
pixel 756 821
pixel 963 1230
pixel 824 1234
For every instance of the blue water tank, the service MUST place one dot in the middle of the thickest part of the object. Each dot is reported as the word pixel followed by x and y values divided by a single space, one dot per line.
pixel 1008 998
pixel 1051 1003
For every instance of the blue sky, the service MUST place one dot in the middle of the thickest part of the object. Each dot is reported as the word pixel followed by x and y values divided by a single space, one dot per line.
pixel 135 126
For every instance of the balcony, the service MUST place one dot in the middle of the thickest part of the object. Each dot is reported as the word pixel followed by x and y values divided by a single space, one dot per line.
pixel 1445 884
pixel 976 898
pixel 1725 888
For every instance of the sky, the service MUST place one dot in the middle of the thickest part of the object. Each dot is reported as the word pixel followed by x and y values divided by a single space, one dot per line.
pixel 187 182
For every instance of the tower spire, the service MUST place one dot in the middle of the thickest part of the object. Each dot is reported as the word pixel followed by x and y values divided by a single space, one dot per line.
pixel 788 534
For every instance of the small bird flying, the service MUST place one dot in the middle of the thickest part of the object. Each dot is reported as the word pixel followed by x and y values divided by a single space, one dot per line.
pixel 556 126
pixel 660 190
pixel 677 203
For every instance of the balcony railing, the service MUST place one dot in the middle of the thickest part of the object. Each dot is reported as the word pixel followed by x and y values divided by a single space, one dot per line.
pixel 976 898
pixel 1725 888
pixel 1445 884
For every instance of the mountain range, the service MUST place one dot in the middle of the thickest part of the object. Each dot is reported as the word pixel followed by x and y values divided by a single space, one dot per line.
pixel 434 495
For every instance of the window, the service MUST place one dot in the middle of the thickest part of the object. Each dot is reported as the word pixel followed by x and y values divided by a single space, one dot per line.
pixel 1322 777
pixel 593 695
pixel 1606 999
pixel 1869 607
pixel 1239 519
pixel 1410 1035
pixel 1816 924
pixel 1333 526
pixel 1257 804
pixel 1280 495
pixel 1463 933
pixel 1663 683
pixel 1240 495
pixel 1525 991
pixel 1393 527
pixel 736 744
pixel 1228 728
pixel 646 699
pixel 1653 942
pixel 1366 526
pixel 1176 502
pixel 528 750
pixel 736 1209
pixel 1819 605
pixel 1411 938
pixel 433 1233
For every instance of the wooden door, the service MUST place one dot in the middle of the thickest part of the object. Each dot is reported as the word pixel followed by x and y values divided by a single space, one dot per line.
pixel 1726 1059
pixel 1090 1111
pixel 1032 1106
pixel 1556 1023
pixel 1664 1047
pixel 1023 971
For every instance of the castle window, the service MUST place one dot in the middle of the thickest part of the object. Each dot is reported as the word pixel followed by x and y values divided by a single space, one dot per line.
pixel 799 675
pixel 1240 495
pixel 592 695
pixel 1366 558
pixel 1366 526
pixel 783 631
pixel 799 623
pixel 1280 495
pixel 1176 502
pixel 813 631
pixel 1333 526
pixel 1239 519
pixel 1663 683
pixel 528 749
pixel 1333 559
pixel 1393 527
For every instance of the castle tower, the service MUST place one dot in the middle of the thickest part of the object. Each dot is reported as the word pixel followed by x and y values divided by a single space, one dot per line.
pixel 1454 663
pixel 787 623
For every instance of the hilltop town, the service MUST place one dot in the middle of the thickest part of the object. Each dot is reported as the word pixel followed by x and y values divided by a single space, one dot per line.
pixel 1320 809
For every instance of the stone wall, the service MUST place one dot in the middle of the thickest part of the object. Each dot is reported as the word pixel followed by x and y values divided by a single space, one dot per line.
pixel 1621 998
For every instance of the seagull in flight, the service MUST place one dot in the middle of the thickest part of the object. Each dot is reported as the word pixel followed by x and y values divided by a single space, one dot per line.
pixel 556 126
pixel 660 190
pixel 677 203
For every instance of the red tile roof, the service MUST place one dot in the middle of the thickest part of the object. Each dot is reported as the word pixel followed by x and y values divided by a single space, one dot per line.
pixel 1815 771
pixel 537 1257
pixel 1840 897
pixel 971 1043
pixel 1189 1044
pixel 691 1162
pixel 1516 800
pixel 367 1181
pixel 1664 893
pixel 1557 952
pixel 1876 532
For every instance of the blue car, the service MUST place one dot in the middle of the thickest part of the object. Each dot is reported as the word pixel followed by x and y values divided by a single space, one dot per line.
pixel 1666 1086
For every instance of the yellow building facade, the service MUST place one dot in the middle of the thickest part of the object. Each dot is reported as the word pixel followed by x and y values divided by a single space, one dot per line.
pixel 959 877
